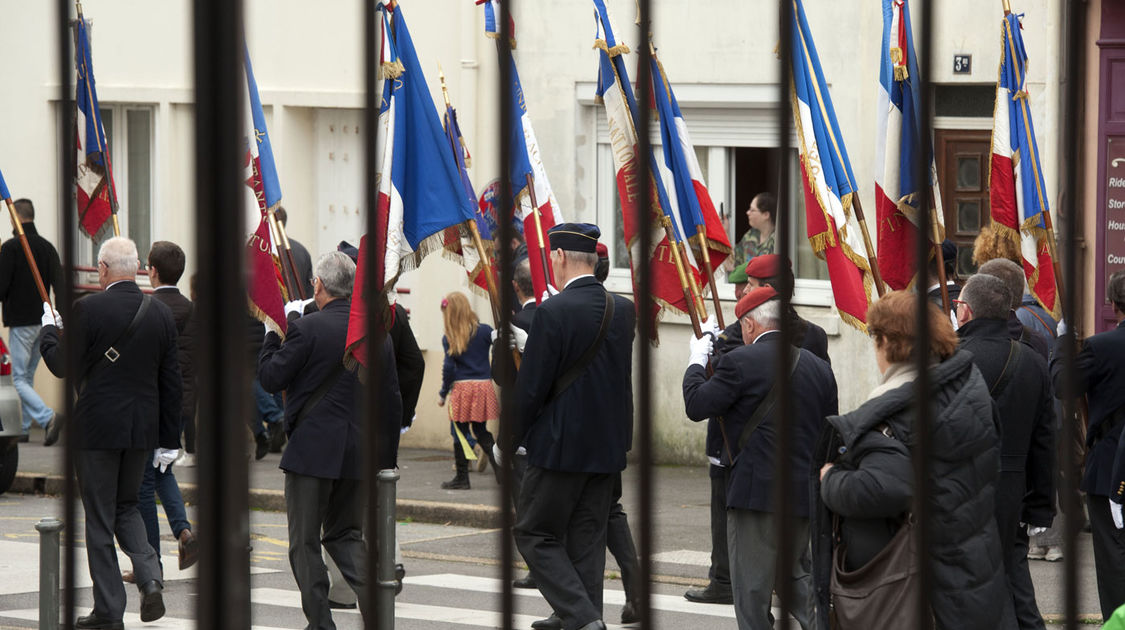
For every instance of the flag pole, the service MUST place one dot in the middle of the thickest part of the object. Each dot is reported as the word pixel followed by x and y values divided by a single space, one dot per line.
pixel 689 299
pixel 705 255
pixel 696 293
pixel 548 274
pixel 1021 96
pixel 17 225
pixel 942 280
pixel 98 134
pixel 871 258
pixel 1007 7
pixel 287 253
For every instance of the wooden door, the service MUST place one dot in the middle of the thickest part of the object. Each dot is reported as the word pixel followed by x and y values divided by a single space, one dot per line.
pixel 962 157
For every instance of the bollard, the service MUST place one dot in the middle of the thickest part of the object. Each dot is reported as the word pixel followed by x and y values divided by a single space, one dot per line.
pixel 385 571
pixel 49 529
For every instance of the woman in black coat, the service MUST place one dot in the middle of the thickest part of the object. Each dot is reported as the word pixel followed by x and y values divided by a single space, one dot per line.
pixel 867 480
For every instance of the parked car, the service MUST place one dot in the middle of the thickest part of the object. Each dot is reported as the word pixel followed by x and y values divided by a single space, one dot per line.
pixel 11 425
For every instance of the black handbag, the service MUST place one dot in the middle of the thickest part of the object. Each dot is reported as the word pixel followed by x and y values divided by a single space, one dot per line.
pixel 882 593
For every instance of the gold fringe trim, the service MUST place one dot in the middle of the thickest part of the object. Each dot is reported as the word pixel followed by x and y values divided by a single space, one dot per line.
pixel 261 316
pixel 620 49
pixel 810 172
pixel 391 70
pixel 496 36
pixel 901 74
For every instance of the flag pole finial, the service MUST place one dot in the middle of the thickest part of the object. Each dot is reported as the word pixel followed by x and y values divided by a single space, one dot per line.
pixel 1007 7
pixel 444 89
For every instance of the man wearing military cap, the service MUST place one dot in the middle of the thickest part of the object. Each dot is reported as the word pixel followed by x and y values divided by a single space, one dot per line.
pixel 574 413
pixel 743 391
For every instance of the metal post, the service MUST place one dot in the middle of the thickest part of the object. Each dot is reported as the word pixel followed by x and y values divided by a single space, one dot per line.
pixel 49 529
pixel 385 571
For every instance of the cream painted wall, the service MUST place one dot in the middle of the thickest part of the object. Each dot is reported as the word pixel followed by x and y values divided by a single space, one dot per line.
pixel 307 58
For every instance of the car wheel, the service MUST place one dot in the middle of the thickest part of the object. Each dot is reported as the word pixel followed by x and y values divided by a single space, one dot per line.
pixel 9 461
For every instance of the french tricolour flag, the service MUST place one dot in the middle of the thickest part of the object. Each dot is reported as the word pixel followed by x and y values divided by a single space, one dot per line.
pixel 1017 193
pixel 96 195
pixel 526 160
pixel 266 286
pixel 829 184
pixel 897 150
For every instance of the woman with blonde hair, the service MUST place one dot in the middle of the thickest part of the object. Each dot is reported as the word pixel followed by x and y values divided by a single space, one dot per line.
pixel 466 383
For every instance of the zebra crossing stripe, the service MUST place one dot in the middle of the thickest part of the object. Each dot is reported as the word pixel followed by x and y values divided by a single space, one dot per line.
pixel 132 620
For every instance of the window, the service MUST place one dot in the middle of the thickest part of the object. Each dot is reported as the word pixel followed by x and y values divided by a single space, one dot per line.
pixel 736 152
pixel 130 130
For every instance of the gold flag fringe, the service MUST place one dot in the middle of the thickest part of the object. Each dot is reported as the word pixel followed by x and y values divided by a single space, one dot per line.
pixel 261 316
pixel 620 49
pixel 511 40
pixel 391 70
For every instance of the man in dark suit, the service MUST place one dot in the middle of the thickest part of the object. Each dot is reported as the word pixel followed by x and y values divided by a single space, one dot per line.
pixel 129 403
pixel 165 266
pixel 22 308
pixel 740 393
pixel 1101 377
pixel 324 496
pixel 574 413
pixel 764 270
pixel 1018 381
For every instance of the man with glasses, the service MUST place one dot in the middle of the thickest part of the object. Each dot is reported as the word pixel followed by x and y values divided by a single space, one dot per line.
pixel 127 417
pixel 22 309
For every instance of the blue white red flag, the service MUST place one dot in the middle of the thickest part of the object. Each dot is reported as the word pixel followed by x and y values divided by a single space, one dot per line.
pixel 826 175
pixel 96 195
pixel 616 94
pixel 4 194
pixel 526 160
pixel 1017 193
pixel 898 148
pixel 691 202
pixel 266 285
pixel 420 193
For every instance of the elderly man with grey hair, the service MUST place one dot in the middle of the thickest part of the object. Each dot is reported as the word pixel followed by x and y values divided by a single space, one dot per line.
pixel 1033 327
pixel 323 463
pixel 128 412
pixel 1018 382
pixel 743 390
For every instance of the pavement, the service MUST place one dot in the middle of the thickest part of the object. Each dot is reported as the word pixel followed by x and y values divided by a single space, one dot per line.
pixel 680 519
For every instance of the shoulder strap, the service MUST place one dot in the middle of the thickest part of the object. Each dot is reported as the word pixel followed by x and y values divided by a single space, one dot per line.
pixel 112 353
pixel 319 393
pixel 572 374
pixel 767 404
pixel 1011 366
pixel 1050 330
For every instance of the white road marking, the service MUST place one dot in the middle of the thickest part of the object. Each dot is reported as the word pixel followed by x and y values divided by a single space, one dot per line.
pixel 132 620
pixel 684 556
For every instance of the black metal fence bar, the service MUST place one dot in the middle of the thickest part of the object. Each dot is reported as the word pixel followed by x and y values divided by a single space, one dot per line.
pixel 783 502
pixel 223 366
pixel 67 210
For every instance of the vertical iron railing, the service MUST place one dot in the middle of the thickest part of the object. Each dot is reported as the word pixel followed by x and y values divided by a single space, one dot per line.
pixel 223 369
pixel 67 213
pixel 507 370
pixel 646 324
pixel 923 420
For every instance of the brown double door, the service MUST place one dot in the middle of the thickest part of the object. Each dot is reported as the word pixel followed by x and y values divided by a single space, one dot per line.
pixel 962 157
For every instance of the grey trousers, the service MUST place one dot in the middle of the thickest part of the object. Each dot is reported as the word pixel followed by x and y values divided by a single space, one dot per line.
pixel 109 480
pixel 338 589
pixel 326 512
pixel 752 546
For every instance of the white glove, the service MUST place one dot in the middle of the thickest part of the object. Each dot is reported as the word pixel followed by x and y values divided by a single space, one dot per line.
pixel 519 337
pixel 699 350
pixel 1115 510
pixel 296 306
pixel 494 335
pixel 1035 531
pixel 551 290
pixel 267 328
pixel 1062 328
pixel 51 317
pixel 499 456
pixel 711 325
pixel 163 458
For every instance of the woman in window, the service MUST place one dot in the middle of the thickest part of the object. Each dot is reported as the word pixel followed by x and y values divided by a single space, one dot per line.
pixel 758 240
pixel 466 382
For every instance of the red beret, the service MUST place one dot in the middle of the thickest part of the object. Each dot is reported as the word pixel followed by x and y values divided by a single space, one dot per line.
pixel 602 250
pixel 764 266
pixel 753 299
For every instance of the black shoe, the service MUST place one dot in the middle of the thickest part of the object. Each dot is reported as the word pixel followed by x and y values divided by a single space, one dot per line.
pixel 262 445
pixel 554 622
pixel 52 431
pixel 277 436
pixel 92 621
pixel 710 595
pixel 400 573
pixel 339 606
pixel 152 602
pixel 456 483
pixel 629 613
pixel 525 582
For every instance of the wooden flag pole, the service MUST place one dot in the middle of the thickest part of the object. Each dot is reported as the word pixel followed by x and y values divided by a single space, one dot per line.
pixel 701 236
pixel 696 293
pixel 548 274
pixel 101 146
pixel 872 260
pixel 490 280
pixel 937 239
pixel 689 299
pixel 18 227
pixel 287 252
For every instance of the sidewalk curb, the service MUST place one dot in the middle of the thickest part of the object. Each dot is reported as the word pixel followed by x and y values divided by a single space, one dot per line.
pixel 440 512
